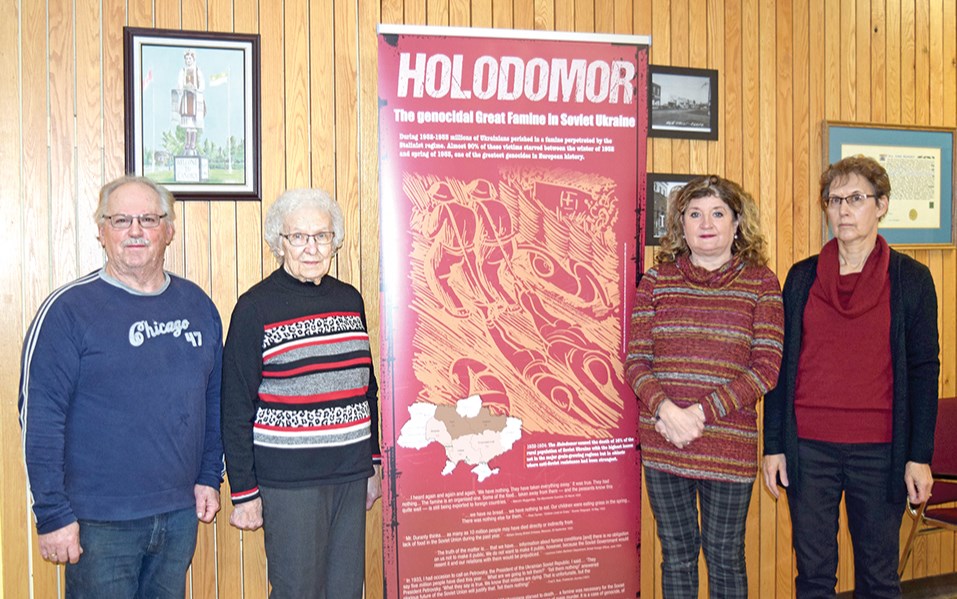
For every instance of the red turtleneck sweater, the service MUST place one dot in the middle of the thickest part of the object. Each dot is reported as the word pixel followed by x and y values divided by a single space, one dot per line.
pixel 845 382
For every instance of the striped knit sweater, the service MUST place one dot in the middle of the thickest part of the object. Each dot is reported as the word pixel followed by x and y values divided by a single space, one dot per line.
pixel 708 337
pixel 299 404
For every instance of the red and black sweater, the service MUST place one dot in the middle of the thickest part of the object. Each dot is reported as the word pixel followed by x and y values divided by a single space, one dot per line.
pixel 299 404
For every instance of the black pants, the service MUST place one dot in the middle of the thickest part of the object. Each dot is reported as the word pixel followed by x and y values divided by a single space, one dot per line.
pixel 860 471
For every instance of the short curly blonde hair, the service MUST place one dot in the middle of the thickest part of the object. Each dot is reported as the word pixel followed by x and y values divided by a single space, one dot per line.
pixel 749 243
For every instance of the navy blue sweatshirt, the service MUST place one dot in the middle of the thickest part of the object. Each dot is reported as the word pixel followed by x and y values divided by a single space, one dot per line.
pixel 119 401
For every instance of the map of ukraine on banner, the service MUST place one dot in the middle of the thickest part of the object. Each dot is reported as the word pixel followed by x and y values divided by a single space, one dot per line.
pixel 509 173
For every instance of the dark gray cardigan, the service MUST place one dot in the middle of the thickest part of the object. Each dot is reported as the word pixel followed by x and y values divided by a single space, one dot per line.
pixel 914 355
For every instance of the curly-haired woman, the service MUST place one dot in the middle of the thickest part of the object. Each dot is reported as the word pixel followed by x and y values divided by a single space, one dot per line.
pixel 705 345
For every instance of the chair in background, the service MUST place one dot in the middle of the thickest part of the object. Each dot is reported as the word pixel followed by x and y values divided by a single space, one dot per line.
pixel 930 516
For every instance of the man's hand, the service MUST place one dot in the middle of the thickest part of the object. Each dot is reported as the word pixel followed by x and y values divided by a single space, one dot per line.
pixel 919 481
pixel 207 502
pixel 775 465
pixel 248 516
pixel 374 488
pixel 62 545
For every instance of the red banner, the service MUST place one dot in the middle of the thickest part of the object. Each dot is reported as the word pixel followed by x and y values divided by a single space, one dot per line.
pixel 510 173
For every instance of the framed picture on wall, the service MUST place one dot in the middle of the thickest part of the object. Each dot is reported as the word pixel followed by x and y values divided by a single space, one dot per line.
pixel 921 167
pixel 660 188
pixel 192 112
pixel 682 102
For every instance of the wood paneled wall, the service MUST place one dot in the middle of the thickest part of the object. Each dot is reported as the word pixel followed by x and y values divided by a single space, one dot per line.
pixel 785 66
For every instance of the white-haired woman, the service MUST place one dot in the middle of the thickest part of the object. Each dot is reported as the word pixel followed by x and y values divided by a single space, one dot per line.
pixel 300 408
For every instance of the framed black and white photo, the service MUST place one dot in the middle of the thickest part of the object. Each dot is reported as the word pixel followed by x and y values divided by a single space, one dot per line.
pixel 682 102
pixel 660 188
pixel 192 112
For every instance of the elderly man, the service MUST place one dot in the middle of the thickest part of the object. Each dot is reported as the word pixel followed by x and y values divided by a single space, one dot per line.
pixel 119 405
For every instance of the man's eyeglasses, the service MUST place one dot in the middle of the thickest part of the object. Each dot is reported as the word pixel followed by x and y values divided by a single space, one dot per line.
pixel 299 240
pixel 854 200
pixel 125 221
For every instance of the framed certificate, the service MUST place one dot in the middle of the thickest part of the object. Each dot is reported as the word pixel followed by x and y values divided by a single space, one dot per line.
pixel 920 164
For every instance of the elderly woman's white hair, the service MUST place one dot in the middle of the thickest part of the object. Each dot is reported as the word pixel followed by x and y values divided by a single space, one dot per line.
pixel 291 201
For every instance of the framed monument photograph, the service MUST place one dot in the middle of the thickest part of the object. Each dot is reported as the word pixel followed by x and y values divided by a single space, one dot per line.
pixel 192 112
pixel 682 102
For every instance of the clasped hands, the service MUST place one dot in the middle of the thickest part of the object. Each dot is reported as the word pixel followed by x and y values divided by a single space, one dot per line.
pixel 680 426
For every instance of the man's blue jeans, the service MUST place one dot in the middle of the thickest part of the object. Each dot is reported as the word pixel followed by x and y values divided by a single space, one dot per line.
pixel 144 558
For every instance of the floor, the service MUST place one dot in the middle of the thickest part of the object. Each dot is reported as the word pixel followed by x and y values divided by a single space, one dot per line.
pixel 934 587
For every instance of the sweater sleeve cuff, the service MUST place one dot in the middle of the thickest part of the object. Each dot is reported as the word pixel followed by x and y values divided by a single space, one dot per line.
pixel 654 403
pixel 921 457
pixel 708 405
pixel 209 480
pixel 243 496
pixel 55 524
pixel 772 446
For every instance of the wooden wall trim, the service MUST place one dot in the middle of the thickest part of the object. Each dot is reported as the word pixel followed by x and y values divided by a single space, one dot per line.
pixel 785 66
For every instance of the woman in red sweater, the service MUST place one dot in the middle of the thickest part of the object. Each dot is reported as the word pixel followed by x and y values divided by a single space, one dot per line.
pixel 705 345
pixel 854 410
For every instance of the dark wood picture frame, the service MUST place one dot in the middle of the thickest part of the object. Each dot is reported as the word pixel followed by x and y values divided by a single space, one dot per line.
pixel 660 186
pixel 192 108
pixel 682 102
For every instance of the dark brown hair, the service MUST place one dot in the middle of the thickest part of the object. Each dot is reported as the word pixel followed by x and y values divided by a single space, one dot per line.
pixel 859 164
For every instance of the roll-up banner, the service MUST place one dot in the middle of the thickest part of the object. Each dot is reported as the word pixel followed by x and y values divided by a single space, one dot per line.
pixel 510 170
